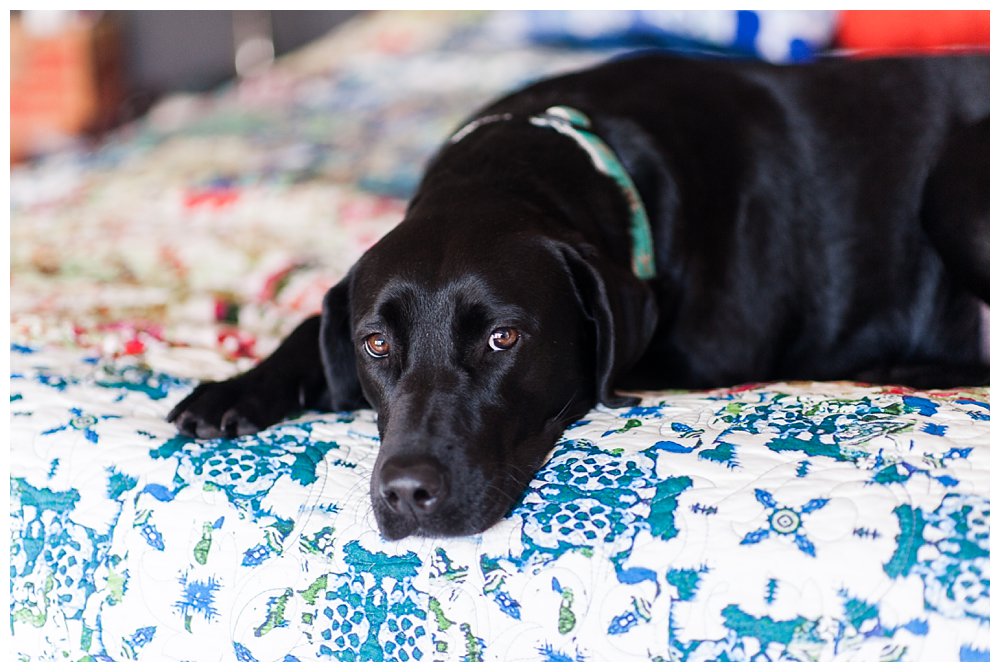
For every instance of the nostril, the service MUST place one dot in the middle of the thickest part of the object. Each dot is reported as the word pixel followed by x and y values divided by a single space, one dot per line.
pixel 412 485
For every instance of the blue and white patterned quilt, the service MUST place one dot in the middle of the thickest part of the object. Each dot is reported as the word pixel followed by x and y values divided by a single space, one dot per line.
pixel 790 521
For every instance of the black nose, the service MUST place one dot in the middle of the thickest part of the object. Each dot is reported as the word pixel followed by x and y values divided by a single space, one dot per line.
pixel 412 484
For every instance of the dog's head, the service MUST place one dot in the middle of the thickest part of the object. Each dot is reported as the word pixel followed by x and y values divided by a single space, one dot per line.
pixel 477 345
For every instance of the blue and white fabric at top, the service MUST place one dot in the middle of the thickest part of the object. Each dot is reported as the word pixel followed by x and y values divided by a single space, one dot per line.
pixel 777 36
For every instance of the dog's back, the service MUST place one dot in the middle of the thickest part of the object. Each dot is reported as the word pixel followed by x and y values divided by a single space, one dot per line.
pixel 786 204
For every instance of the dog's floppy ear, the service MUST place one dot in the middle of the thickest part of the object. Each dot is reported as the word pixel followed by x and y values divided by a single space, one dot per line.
pixel 623 311
pixel 337 349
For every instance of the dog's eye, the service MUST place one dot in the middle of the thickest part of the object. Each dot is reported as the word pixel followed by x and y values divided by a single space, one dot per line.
pixel 504 338
pixel 377 345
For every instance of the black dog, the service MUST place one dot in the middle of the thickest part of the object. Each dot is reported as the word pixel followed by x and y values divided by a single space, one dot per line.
pixel 827 221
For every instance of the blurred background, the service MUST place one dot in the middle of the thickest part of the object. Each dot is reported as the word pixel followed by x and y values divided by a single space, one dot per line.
pixel 84 72
pixel 77 74
pixel 203 177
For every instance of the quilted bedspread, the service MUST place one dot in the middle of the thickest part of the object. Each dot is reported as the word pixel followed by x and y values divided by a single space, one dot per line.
pixel 788 521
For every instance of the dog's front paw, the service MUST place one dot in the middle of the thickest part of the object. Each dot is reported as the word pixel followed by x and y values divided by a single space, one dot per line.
pixel 228 408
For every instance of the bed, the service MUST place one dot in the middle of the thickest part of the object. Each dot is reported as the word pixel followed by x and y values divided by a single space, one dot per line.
pixel 787 521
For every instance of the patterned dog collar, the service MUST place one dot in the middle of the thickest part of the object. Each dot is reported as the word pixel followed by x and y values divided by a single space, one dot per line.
pixel 576 125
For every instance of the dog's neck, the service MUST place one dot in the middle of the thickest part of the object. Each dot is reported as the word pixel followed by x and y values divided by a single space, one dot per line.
pixel 576 126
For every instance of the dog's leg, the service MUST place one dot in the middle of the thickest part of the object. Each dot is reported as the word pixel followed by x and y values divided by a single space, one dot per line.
pixel 956 207
pixel 290 380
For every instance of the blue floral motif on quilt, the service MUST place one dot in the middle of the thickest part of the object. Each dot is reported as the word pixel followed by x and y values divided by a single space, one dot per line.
pixel 782 522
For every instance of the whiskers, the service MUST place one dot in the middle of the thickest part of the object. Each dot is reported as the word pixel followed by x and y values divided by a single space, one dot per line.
pixel 562 415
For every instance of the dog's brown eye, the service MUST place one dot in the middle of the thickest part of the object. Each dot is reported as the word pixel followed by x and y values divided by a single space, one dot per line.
pixel 504 338
pixel 377 345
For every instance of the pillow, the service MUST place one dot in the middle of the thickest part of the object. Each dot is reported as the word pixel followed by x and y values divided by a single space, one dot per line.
pixel 909 31
pixel 778 36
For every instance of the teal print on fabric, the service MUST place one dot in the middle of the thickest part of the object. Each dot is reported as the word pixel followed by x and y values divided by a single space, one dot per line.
pixel 82 422
pixel 137 640
pixel 389 610
pixel 662 522
pixel 551 654
pixel 243 653
pixel 686 582
pixel 131 378
pixel 722 452
pixel 784 521
pixel 197 599
pixel 589 507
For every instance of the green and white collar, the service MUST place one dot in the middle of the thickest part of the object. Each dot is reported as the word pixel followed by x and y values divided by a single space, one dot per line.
pixel 576 125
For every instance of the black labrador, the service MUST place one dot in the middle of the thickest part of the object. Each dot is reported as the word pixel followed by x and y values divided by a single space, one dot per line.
pixel 653 222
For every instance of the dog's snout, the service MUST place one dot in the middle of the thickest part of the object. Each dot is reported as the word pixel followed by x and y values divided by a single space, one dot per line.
pixel 413 485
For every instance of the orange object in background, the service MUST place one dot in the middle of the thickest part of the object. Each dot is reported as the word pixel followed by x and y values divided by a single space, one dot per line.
pixel 908 31
pixel 65 78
